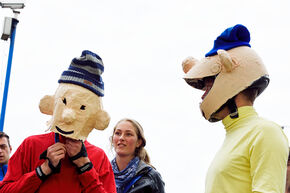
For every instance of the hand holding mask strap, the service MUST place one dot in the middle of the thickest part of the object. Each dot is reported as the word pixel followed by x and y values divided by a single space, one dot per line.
pixel 54 169
pixel 82 153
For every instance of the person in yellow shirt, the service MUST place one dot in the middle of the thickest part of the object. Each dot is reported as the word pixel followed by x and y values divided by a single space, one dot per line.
pixel 253 157
pixel 287 189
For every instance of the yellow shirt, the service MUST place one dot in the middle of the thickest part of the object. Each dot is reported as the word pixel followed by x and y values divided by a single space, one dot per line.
pixel 253 157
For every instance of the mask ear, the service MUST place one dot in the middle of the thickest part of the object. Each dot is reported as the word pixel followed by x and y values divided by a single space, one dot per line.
pixel 46 104
pixel 226 60
pixel 102 120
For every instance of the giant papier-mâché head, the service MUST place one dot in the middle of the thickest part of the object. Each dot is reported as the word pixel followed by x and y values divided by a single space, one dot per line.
pixel 76 107
pixel 232 63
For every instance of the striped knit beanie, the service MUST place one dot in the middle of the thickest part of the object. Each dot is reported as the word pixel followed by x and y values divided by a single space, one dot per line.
pixel 86 71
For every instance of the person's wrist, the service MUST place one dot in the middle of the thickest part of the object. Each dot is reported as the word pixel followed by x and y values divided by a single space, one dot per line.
pixel 45 168
pixel 86 167
pixel 81 161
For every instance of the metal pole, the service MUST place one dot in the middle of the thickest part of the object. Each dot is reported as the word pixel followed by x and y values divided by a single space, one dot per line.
pixel 8 71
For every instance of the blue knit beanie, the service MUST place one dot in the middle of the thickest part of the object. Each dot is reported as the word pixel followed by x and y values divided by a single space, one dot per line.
pixel 232 37
pixel 86 71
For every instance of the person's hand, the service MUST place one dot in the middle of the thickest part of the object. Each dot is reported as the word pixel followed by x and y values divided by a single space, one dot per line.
pixel 55 153
pixel 73 148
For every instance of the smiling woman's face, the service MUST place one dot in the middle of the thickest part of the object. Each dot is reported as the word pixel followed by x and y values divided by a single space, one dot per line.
pixel 125 139
pixel 75 110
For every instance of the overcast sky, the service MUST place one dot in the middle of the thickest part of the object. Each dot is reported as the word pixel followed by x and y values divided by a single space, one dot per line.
pixel 142 44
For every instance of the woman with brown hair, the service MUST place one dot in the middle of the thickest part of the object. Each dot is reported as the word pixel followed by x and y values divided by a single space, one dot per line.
pixel 132 169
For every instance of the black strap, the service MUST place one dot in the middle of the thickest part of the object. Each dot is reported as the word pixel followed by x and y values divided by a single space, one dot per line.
pixel 233 108
pixel 56 137
pixel 88 166
pixel 40 174
pixel 56 169
pixel 82 153
pixel 52 167
pixel 43 155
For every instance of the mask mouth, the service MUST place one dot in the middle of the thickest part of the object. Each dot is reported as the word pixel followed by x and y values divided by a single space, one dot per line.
pixel 196 83
pixel 204 84
pixel 207 83
pixel 206 89
pixel 63 132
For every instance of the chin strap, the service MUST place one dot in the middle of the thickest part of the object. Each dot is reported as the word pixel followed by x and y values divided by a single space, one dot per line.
pixel 231 104
pixel 233 108
pixel 56 137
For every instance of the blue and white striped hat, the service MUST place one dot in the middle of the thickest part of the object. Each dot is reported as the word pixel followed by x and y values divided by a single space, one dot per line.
pixel 86 71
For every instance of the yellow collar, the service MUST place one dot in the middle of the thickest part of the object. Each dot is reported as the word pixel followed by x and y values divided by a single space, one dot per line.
pixel 244 112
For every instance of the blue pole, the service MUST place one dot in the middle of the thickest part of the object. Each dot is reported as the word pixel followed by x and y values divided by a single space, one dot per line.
pixel 8 71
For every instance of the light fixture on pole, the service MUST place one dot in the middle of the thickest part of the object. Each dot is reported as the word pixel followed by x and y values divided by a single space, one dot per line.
pixel 9 30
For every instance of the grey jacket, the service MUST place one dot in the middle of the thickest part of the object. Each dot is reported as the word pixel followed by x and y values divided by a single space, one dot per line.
pixel 150 182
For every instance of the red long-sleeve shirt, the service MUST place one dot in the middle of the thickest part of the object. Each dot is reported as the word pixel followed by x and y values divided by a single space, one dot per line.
pixel 22 178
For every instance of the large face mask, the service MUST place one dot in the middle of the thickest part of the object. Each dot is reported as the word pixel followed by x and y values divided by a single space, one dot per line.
pixel 234 71
pixel 75 111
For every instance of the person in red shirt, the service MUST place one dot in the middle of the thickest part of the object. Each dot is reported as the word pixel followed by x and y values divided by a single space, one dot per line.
pixel 63 160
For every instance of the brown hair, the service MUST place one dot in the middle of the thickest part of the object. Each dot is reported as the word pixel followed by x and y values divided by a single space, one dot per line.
pixel 251 93
pixel 140 151
pixel 2 134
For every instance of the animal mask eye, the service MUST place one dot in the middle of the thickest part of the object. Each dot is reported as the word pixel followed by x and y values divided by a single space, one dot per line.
pixel 64 101
pixel 83 107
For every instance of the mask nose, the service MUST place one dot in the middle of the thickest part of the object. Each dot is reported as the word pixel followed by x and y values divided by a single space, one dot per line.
pixel 68 116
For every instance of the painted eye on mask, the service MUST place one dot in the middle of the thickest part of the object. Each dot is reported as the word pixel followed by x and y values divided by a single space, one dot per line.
pixel 64 101
pixel 83 107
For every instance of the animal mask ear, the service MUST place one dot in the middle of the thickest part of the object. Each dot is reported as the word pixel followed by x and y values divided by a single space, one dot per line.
pixel 226 60
pixel 102 120
pixel 46 105
pixel 188 63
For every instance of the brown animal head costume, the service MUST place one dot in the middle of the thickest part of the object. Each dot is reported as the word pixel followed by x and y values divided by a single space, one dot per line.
pixel 233 65
pixel 76 107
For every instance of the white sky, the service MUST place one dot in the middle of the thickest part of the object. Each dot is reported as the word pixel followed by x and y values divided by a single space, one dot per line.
pixel 142 44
